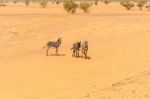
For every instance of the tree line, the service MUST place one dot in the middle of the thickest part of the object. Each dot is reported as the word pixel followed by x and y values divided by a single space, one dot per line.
pixel 71 5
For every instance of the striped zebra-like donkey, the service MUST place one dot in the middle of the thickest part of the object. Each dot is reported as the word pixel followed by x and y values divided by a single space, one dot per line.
pixel 54 44
pixel 76 48
pixel 84 48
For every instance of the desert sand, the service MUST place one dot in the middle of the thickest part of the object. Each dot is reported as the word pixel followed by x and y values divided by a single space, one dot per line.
pixel 119 53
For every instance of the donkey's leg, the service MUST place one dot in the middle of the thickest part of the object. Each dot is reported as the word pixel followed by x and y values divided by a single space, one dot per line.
pixel 73 53
pixel 82 53
pixel 76 53
pixel 56 51
pixel 47 51
pixel 86 54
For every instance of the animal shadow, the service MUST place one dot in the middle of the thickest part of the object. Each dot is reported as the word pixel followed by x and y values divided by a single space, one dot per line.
pixel 86 58
pixel 57 55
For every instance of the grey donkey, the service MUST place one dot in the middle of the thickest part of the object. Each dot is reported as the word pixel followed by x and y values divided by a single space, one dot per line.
pixel 76 49
pixel 84 48
pixel 54 44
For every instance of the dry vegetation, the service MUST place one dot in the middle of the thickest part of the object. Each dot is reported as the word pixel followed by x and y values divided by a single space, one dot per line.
pixel 84 5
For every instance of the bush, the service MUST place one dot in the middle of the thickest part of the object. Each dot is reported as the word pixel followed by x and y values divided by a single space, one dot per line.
pixel 15 1
pixel 43 4
pixel 127 4
pixel 70 6
pixel 3 5
pixel 57 2
pixel 96 2
pixel 141 3
pixel 106 1
pixel 27 2
pixel 148 7
pixel 85 6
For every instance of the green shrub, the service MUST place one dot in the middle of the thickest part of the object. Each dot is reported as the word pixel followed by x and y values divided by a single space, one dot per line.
pixel 43 4
pixel 85 6
pixel 70 6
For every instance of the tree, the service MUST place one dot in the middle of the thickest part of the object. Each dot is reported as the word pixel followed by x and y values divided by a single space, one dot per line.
pixel 85 6
pixel 43 4
pixel 141 3
pixel 27 2
pixel 70 6
pixel 127 4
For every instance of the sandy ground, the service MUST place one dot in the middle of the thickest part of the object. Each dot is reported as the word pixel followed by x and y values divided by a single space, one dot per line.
pixel 119 53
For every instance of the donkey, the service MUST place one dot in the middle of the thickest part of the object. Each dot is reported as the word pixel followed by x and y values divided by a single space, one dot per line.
pixel 54 44
pixel 84 49
pixel 76 48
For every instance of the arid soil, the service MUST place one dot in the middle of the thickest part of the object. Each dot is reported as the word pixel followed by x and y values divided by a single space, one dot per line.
pixel 119 53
